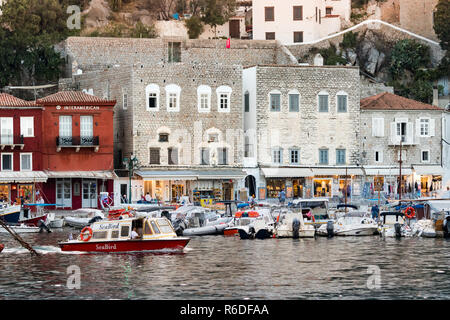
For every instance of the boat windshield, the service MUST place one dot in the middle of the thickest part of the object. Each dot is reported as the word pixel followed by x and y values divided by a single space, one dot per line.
pixel 245 221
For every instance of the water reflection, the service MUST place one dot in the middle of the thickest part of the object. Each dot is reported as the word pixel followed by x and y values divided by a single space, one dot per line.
pixel 216 267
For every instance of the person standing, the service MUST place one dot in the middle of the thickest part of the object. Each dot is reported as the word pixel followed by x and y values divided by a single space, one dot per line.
pixel 282 197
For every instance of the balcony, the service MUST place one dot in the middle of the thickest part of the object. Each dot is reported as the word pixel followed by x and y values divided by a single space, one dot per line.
pixel 9 140
pixel 77 143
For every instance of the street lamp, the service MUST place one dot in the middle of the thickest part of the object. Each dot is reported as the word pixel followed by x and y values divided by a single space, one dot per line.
pixel 132 163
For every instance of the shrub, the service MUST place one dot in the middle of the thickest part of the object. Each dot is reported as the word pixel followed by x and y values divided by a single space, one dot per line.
pixel 194 26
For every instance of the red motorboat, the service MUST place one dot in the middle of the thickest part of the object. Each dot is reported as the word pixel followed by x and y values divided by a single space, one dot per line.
pixel 153 234
pixel 2 246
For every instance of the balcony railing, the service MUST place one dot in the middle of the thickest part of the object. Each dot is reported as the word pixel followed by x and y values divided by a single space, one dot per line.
pixel 77 142
pixel 11 141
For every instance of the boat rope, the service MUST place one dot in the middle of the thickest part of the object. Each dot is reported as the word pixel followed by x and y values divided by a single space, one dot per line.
pixel 18 238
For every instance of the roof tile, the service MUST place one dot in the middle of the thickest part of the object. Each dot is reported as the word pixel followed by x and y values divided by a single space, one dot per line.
pixel 7 100
pixel 390 101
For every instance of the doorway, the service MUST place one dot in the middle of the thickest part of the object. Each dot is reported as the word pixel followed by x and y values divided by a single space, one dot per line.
pixel 64 193
pixel 235 29
pixel 250 184
pixel 89 194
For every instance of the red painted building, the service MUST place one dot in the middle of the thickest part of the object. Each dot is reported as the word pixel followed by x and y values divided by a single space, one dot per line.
pixel 21 172
pixel 78 148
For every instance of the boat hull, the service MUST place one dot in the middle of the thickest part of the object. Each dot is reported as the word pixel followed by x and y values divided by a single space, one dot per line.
pixel 230 232
pixel 126 246
pixel 11 217
pixel 357 232
pixel 21 229
pixel 204 231
pixel 34 222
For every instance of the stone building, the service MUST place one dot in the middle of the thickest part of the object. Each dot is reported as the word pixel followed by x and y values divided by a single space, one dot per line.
pixel 290 21
pixel 412 11
pixel 302 130
pixel 388 120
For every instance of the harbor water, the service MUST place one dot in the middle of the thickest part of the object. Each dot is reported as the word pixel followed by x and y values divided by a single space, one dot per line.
pixel 218 267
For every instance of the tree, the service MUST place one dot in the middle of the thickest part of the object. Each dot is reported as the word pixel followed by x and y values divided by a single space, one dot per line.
pixel 442 23
pixel 217 12
pixel 194 26
pixel 408 55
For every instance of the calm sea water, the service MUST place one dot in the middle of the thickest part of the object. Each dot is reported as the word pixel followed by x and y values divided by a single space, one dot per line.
pixel 217 267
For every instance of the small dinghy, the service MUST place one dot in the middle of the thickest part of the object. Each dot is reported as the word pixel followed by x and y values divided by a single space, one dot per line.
pixel 21 229
pixel 81 222
pixel 206 230
pixel 54 222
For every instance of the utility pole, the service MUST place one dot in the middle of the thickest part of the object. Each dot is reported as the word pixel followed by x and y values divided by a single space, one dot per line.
pixel 132 162
pixel 345 189
pixel 400 173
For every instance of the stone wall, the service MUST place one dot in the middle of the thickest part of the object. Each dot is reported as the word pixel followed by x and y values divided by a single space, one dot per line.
pixel 417 16
pixel 412 153
pixel 307 130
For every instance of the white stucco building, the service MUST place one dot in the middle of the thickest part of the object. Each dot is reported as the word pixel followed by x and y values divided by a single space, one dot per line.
pixel 296 21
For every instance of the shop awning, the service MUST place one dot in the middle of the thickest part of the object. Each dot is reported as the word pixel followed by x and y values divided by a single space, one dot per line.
pixel 166 174
pixel 23 177
pixel 393 171
pixel 336 171
pixel 212 174
pixel 107 175
pixel 287 172
pixel 428 170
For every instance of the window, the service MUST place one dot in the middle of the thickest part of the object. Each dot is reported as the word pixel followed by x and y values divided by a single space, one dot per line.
pixel 223 98
pixel 298 13
pixel 26 162
pixel 152 93
pixel 277 155
pixel 341 102
pixel 173 98
pixel 154 156
pixel 323 156
pixel 424 127
pixel 172 155
pixel 329 11
pixel 298 36
pixel 86 130
pixel 204 154
pixel 248 150
pixel 155 227
pixel 295 156
pixel 163 137
pixel 125 101
pixel 377 127
pixel 270 35
pixel 174 52
pixel 247 102
pixel 294 101
pixel 65 130
pixel 275 101
pixel 204 98
pixel 222 153
pixel 164 226
pixel 425 156
pixel 213 137
pixel 401 130
pixel 269 13
pixel 323 102
pixel 124 231
pixel 340 156
pixel 6 126
pixel 27 126
pixel 114 234
pixel 147 229
pixel 7 163
pixel 378 156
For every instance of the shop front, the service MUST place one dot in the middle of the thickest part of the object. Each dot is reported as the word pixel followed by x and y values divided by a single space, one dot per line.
pixel 295 182
pixel 428 179
pixel 78 189
pixel 18 186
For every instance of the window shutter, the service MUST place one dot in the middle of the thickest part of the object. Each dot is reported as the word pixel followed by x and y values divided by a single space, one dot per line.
pixel 417 127
pixel 432 127
pixel 409 133
pixel 395 139
pixel 375 127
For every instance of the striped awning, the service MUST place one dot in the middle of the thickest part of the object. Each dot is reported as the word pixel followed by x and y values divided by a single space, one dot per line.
pixel 22 176
pixel 107 175
pixel 207 174
pixel 428 170
pixel 392 171
pixel 287 172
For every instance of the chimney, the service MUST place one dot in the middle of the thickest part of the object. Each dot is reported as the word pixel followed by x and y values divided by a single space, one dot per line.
pixel 435 97
pixel 318 60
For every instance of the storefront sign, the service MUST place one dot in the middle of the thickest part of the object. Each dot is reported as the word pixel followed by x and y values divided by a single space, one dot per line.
pixel 378 183
pixel 83 108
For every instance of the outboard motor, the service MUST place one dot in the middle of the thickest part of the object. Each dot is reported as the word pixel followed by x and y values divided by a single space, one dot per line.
pixel 398 230
pixel 179 226
pixel 165 214
pixel 446 227
pixel 94 219
pixel 330 229
pixel 43 226
pixel 295 228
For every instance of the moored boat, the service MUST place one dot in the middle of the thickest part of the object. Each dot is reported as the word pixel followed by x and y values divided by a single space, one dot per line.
pixel 292 225
pixel 21 229
pixel 117 236
pixel 354 223
pixel 10 214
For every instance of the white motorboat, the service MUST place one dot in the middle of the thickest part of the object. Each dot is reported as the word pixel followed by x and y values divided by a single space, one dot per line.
pixel 424 228
pixel 292 225
pixel 54 222
pixel 80 222
pixel 316 209
pixel 20 229
pixel 252 223
pixel 391 227
pixel 354 223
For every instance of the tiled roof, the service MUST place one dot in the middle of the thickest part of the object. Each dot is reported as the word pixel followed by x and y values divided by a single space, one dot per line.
pixel 7 100
pixel 72 97
pixel 390 101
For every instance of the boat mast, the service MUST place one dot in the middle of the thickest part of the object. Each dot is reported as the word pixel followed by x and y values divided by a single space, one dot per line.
pixel 400 173
pixel 345 190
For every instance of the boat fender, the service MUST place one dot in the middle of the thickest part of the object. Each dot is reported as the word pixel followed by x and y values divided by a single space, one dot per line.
pixel 295 228
pixel 398 230
pixel 330 229
pixel 83 233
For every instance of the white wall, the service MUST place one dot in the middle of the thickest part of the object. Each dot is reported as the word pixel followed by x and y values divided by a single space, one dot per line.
pixel 249 84
pixel 284 25
pixel 446 149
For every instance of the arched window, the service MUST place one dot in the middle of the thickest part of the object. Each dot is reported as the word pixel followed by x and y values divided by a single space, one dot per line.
pixel 173 98
pixel 223 98
pixel 152 97
pixel 204 98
